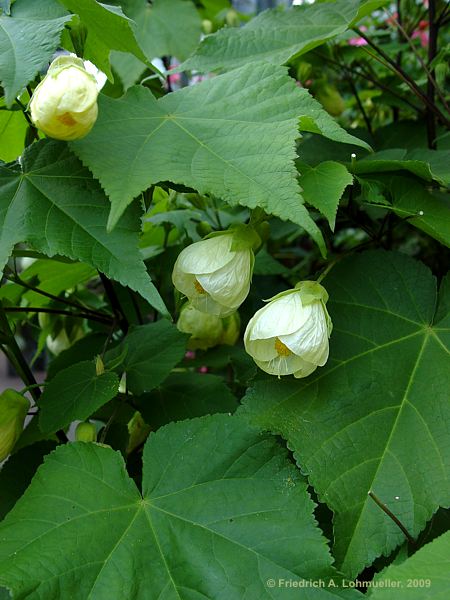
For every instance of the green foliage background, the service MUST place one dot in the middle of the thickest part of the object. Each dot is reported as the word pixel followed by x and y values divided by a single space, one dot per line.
pixel 211 479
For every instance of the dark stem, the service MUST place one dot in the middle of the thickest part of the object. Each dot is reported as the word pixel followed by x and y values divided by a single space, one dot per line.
pixel 57 311
pixel 15 356
pixel 391 515
pixel 368 77
pixel 396 110
pixel 114 302
pixel 137 310
pixel 432 51
pixel 389 63
pixel 19 281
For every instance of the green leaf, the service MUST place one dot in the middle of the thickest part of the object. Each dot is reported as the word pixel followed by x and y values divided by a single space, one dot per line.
pixel 54 204
pixel 13 127
pixel 275 36
pixel 186 395
pixel 17 472
pixel 265 264
pixel 376 416
pixel 149 353
pixel 314 119
pixel 179 539
pixel 107 29
pixel 426 164
pixel 87 348
pixel 28 38
pixel 423 576
pixel 75 393
pixel 323 186
pixel 234 138
pixel 428 212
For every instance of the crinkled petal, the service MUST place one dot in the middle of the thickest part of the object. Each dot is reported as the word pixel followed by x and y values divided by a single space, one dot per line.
pixel 184 282
pixel 305 370
pixel 206 304
pixel 280 317
pixel 311 340
pixel 206 256
pixel 261 350
pixel 281 365
pixel 229 285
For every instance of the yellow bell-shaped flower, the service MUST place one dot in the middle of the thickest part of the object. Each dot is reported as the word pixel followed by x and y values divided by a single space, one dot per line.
pixel 64 104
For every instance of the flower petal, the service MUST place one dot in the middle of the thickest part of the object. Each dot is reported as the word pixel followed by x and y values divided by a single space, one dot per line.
pixel 305 370
pixel 282 365
pixel 261 350
pixel 311 340
pixel 280 317
pixel 230 284
pixel 206 256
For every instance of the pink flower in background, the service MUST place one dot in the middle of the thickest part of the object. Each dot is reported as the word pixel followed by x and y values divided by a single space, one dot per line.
pixel 203 369
pixel 421 33
pixel 358 41
pixel 190 355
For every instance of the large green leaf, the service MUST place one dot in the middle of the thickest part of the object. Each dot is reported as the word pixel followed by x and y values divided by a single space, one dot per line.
pixel 28 38
pixel 275 36
pixel 148 354
pixel 107 29
pixel 164 28
pixel 222 515
pixel 75 393
pixel 53 203
pixel 232 136
pixel 423 576
pixel 323 186
pixel 13 127
pixel 17 472
pixel 427 164
pixel 377 416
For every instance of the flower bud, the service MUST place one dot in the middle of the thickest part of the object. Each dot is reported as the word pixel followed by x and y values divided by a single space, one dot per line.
pixel 290 334
pixel 86 432
pixel 231 329
pixel 215 273
pixel 206 330
pixel 64 104
pixel 138 431
pixel 13 410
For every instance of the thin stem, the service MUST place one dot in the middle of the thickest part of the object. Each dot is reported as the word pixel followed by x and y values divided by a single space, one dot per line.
pixel 19 281
pixel 57 311
pixel 137 310
pixel 420 59
pixel 390 64
pixel 431 85
pixel 391 515
pixel 368 77
pixel 15 356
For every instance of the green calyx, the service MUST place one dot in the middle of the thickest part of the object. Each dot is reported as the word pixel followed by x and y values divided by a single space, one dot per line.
pixel 245 237
pixel 310 291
